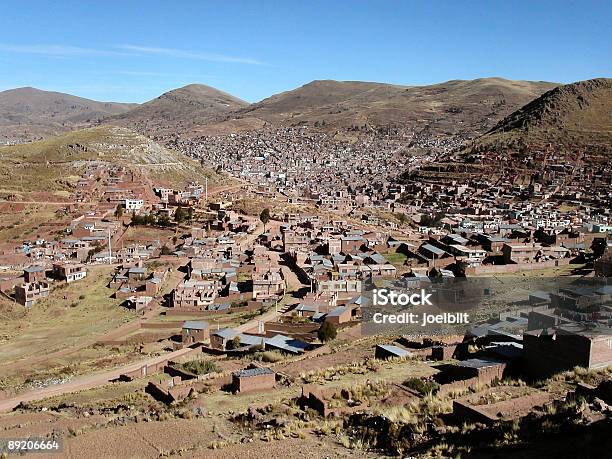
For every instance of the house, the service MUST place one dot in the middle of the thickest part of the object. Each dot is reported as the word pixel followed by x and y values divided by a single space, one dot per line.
pixel 293 240
pixel 219 339
pixel 389 351
pixel 69 272
pixel 286 344
pixel 307 310
pixel 195 331
pixel 137 274
pixel 34 273
pixel 351 244
pixel 30 292
pixel 138 303
pixel 133 204
pixel 531 253
pixel 253 379
pixel 339 315
pixel 268 285
pixel 481 370
pixel 547 352
pixel 194 295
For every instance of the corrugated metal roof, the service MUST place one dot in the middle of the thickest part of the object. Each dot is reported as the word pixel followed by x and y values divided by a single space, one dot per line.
pixel 195 325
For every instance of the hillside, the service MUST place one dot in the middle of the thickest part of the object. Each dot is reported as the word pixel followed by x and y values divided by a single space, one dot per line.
pixel 179 110
pixel 54 165
pixel 451 107
pixel 571 117
pixel 29 113
pixel 567 127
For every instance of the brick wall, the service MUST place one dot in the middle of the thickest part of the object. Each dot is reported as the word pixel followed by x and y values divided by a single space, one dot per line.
pixel 253 383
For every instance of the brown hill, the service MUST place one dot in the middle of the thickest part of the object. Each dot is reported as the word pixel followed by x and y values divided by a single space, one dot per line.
pixel 567 127
pixel 30 113
pixel 451 107
pixel 179 110
pixel 54 165
pixel 576 116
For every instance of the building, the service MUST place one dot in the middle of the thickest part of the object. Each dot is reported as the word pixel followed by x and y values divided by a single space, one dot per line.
pixel 531 253
pixel 253 379
pixel 268 285
pixel 28 293
pixel 194 295
pixel 552 351
pixel 351 244
pixel 195 331
pixel 138 303
pixel 69 272
pixel 476 370
pixel 389 351
pixel 339 315
pixel 133 204
pixel 34 274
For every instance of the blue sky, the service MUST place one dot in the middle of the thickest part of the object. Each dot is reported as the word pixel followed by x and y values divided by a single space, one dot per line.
pixel 133 51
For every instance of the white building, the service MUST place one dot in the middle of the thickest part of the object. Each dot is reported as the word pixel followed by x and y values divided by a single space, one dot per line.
pixel 133 204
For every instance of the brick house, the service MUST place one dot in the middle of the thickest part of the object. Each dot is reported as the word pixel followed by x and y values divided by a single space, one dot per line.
pixel 34 273
pixel 27 294
pixel 549 352
pixel 269 284
pixel 253 379
pixel 195 331
pixel 339 315
pixel 351 244
pixel 69 272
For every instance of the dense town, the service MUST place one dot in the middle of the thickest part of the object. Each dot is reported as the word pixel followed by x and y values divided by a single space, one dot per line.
pixel 229 301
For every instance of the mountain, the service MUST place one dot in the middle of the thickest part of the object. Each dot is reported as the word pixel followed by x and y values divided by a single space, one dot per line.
pixel 179 110
pixel 452 107
pixel 568 127
pixel 55 164
pixel 576 116
pixel 30 113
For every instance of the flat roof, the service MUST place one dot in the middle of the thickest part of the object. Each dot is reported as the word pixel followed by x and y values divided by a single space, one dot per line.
pixel 254 372
pixel 395 350
pixel 195 325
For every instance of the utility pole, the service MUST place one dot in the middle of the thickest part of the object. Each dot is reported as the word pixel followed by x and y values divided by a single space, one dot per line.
pixel 110 253
pixel 206 188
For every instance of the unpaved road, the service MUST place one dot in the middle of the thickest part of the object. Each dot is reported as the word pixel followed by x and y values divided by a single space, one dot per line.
pixel 85 382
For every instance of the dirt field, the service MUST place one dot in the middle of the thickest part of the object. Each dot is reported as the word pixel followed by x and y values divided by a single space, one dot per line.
pixel 25 221
pixel 74 315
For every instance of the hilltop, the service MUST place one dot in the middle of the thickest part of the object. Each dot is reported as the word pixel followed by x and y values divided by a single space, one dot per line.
pixel 179 110
pixel 463 107
pixel 569 126
pixel 571 117
pixel 30 113
pixel 54 165
pixel 447 108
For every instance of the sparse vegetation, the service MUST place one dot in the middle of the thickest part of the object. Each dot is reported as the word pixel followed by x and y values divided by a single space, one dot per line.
pixel 201 367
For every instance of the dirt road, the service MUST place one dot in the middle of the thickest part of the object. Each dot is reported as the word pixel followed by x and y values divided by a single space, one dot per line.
pixel 85 382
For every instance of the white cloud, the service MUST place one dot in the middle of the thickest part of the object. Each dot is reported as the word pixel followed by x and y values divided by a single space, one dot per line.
pixel 184 54
pixel 59 50
pixel 52 50
pixel 160 74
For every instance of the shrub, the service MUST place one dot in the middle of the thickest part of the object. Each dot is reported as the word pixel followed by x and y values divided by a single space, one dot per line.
pixel 422 386
pixel 201 367
pixel 327 332
pixel 269 356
